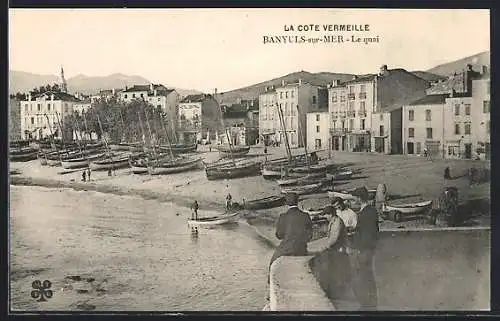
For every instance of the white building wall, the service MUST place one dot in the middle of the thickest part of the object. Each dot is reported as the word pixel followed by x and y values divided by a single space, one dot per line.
pixel 317 131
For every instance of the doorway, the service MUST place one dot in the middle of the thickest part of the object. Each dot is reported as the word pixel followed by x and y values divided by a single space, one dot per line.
pixel 343 143
pixel 468 151
pixel 409 148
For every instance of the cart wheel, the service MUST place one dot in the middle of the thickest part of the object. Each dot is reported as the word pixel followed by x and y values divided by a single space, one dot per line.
pixel 397 217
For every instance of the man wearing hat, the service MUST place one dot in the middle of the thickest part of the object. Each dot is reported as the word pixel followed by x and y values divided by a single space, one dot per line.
pixel 361 249
pixel 294 229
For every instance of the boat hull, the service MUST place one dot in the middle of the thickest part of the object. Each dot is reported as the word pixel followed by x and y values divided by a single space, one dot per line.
pixel 79 162
pixel 263 203
pixel 410 208
pixel 23 157
pixel 229 171
pixel 107 165
pixel 305 189
pixel 213 222
pixel 270 174
pixel 175 169
pixel 340 176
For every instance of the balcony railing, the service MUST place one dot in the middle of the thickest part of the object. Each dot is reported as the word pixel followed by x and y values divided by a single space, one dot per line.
pixel 362 95
pixel 338 131
pixel 351 113
pixel 351 96
pixel 362 113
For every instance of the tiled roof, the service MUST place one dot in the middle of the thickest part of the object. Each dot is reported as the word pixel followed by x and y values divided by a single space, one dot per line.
pixel 58 95
pixel 430 100
pixel 160 89
pixel 195 98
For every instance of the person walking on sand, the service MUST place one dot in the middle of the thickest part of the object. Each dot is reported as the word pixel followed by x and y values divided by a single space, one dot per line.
pixel 88 173
pixel 360 247
pixel 294 229
pixel 194 208
pixel 84 176
pixel 109 172
pixel 229 199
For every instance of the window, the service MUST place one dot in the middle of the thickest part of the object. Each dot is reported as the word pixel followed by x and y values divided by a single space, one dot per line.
pixel 125 96
pixel 342 98
pixel 411 115
pixel 351 123
pixel 142 95
pixel 362 88
pixel 334 97
pixel 362 124
pixel 26 108
pixel 362 106
pixel 351 89
pixel 32 120
pixel 158 106
pixel 286 94
pixel 428 114
pixel 381 129
pixel 281 94
pixel 381 117
pixel 133 95
pixel 411 132
pixel 317 117
pixel 158 98
pixel 38 107
pixel 467 109
pixel 457 109
pixel 318 143
pixel 48 106
pixel 314 99
pixel 317 129
pixel 486 106
pixel 343 124
pixel 351 106
pixel 467 129
pixel 457 129
pixel 419 147
pixel 429 133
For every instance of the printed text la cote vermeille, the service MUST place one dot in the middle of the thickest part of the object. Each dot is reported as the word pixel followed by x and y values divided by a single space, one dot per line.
pixel 323 34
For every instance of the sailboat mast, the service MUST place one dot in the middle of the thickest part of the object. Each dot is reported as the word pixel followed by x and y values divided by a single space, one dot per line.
pixel 102 133
pixel 62 135
pixel 224 127
pixel 86 128
pixel 52 138
pixel 283 127
pixel 166 136
pixel 303 137
pixel 151 135
pixel 142 130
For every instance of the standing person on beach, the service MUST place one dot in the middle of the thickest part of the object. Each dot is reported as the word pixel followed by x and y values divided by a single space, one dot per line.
pixel 88 173
pixel 84 176
pixel 194 208
pixel 360 247
pixel 380 198
pixel 229 198
pixel 294 229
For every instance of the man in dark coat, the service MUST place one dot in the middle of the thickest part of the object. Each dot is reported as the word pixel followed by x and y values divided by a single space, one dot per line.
pixel 294 229
pixel 360 246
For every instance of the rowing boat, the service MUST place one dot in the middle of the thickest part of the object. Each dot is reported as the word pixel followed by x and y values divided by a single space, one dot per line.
pixel 175 166
pixel 412 208
pixel 266 202
pixel 210 222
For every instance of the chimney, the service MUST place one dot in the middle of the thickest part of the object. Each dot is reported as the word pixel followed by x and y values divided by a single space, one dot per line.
pixel 29 96
pixel 484 70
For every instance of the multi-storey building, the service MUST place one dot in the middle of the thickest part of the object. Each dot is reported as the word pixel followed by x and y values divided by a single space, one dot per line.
pixel 295 100
pixel 268 116
pixel 453 121
pixel 52 105
pixel 365 112
pixel 82 106
pixel 14 119
pixel 157 95
pixel 317 130
pixel 198 115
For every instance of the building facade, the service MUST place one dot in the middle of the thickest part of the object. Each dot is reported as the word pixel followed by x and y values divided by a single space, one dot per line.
pixel 44 115
pixel 197 116
pixel 481 117
pixel 82 106
pixel 268 116
pixel 318 131
pixel 14 119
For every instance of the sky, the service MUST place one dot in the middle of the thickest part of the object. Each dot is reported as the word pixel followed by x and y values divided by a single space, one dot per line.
pixel 224 48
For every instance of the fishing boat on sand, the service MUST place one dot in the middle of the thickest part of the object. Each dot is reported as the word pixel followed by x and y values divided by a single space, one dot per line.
pixel 80 162
pixel 211 222
pixel 263 203
pixel 177 165
pixel 411 208
pixel 309 169
pixel 303 180
pixel 304 189
pixel 235 150
pixel 344 175
pixel 23 154
pixel 231 170
pixel 111 162
pixel 346 194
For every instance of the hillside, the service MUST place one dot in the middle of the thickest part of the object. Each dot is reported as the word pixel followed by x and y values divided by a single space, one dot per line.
pixel 20 81
pixel 449 68
pixel 253 91
pixel 428 76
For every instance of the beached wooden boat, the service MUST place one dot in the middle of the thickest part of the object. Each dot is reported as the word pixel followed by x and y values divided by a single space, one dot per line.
pixel 303 180
pixel 138 166
pixel 80 162
pixel 340 175
pixel 211 222
pixel 175 166
pixel 18 143
pixel 24 156
pixel 183 148
pixel 120 147
pixel 311 169
pixel 412 208
pixel 271 173
pixel 225 151
pixel 345 195
pixel 230 170
pixel 266 202
pixel 106 163
pixel 304 189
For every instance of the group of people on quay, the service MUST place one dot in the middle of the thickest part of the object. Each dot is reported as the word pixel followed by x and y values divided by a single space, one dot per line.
pixel 347 259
